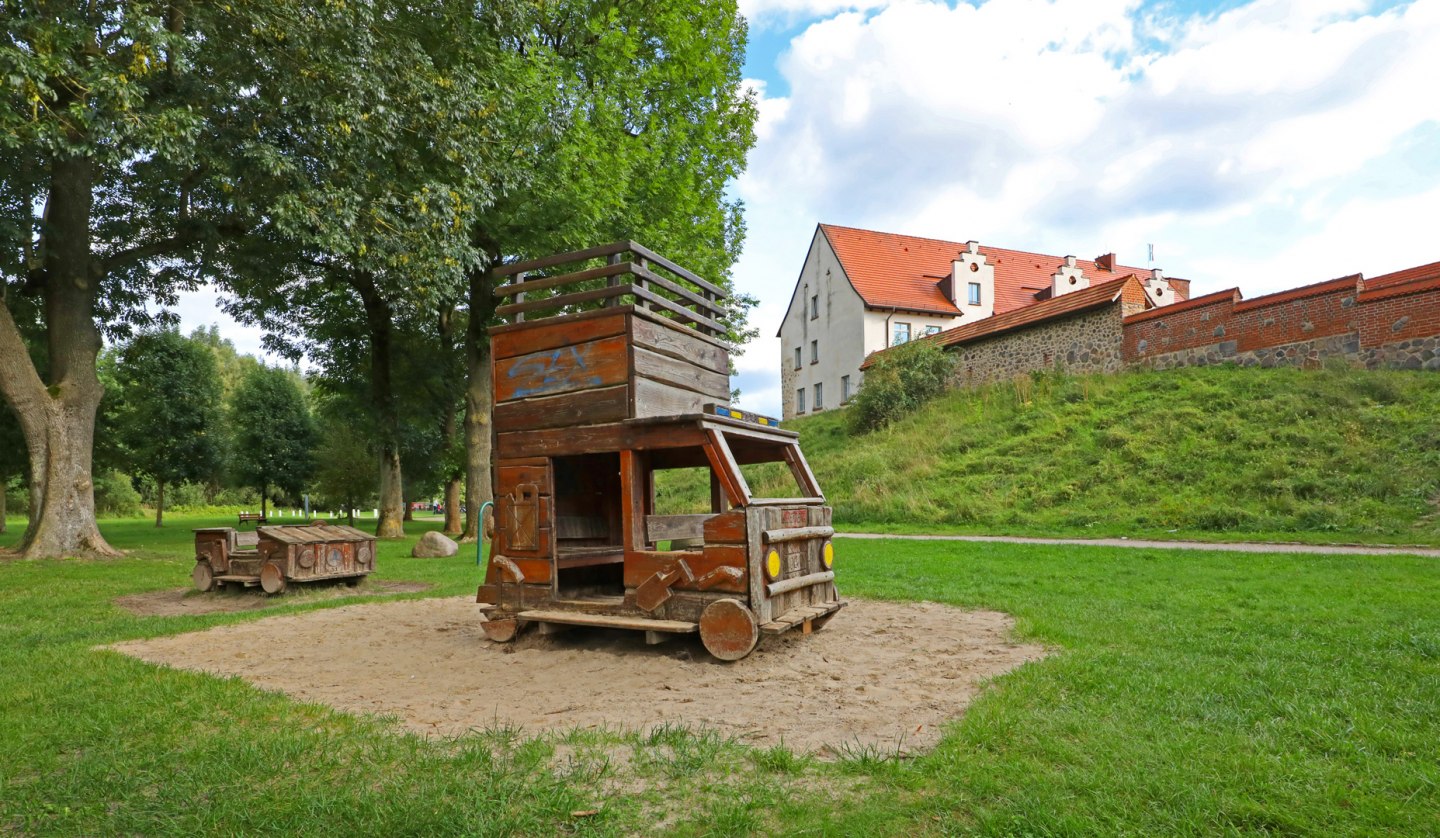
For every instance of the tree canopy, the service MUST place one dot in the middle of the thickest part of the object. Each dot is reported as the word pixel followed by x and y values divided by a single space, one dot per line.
pixel 273 433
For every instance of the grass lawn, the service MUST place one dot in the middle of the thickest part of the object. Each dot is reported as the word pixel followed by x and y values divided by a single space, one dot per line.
pixel 1189 693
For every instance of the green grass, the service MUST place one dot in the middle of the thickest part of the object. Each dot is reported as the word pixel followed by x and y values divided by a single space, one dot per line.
pixel 1188 693
pixel 1213 453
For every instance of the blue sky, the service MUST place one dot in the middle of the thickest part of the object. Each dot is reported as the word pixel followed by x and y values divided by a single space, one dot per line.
pixel 1261 144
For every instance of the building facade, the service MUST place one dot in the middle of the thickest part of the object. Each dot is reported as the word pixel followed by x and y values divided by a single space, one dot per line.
pixel 862 291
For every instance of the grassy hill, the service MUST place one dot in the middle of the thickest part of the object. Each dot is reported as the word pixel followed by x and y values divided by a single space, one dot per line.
pixel 1329 455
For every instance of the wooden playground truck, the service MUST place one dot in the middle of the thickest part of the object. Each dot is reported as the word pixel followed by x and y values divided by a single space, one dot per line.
pixel 621 372
pixel 273 557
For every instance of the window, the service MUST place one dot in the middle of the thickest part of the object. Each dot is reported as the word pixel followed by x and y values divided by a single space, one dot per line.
pixel 800 400
pixel 974 293
pixel 814 351
pixel 819 396
pixel 797 357
pixel 901 334
pixel 932 330
pixel 844 389
pixel 814 306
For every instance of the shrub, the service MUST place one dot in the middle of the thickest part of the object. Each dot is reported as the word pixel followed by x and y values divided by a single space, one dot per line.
pixel 898 382
pixel 115 496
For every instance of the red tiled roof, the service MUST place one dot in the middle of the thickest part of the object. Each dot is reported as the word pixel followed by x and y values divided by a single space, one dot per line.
pixel 1314 290
pixel 1400 289
pixel 1231 294
pixel 1096 296
pixel 1429 271
pixel 889 270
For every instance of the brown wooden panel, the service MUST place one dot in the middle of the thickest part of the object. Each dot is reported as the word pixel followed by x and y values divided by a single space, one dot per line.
pixel 541 336
pixel 506 462
pixel 535 570
pixel 654 398
pixel 587 407
pixel 642 565
pixel 682 373
pixel 727 528
pixel 679 342
pixel 671 527
pixel 511 476
pixel 544 545
pixel 564 369
pixel 552 442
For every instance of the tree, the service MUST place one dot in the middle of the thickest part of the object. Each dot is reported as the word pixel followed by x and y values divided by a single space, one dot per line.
pixel 131 136
pixel 345 474
pixel 273 433
pixel 170 410
pixel 655 125
pixel 12 456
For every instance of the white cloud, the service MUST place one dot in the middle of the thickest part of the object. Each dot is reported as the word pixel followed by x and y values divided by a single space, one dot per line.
pixel 1243 144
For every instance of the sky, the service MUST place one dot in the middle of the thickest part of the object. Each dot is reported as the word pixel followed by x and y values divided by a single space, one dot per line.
pixel 1262 145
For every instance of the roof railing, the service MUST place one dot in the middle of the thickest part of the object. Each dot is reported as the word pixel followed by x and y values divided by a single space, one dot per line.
pixel 645 279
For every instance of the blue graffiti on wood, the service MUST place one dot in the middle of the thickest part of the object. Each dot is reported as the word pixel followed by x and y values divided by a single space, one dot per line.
pixel 546 373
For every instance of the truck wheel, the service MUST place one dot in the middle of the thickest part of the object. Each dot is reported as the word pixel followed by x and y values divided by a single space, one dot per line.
pixel 501 631
pixel 272 581
pixel 728 629
pixel 204 577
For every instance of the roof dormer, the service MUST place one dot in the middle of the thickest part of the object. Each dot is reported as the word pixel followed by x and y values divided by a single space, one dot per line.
pixel 1067 278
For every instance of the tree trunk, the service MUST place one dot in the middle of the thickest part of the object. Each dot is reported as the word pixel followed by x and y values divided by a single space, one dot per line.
pixel 409 510
pixel 4 484
pixel 264 502
pixel 160 503
pixel 58 420
pixel 478 399
pixel 453 522
pixel 380 320
pixel 391 523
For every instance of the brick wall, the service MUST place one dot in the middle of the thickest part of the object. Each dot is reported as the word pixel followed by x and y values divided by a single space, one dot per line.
pixel 1393 326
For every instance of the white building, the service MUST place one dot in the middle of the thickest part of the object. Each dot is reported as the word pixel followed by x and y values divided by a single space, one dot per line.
pixel 861 291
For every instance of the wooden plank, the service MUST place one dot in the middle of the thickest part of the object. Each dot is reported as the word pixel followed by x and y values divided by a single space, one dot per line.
pixel 551 442
pixel 795 458
pixel 560 301
pixel 647 253
pixel 511 476
pixel 786 501
pixel 522 461
pixel 537 571
pixel 787 585
pixel 722 471
pixel 669 324
pixel 681 373
pixel 756 522
pixel 632 502
pixel 725 528
pixel 541 336
pixel 797 534
pixel 542 283
pixel 563 258
pixel 587 407
pixel 706 306
pixel 564 369
pixel 577 618
pixel 671 527
pixel 642 565
pixel 655 398
pixel 666 303
pixel 731 468
pixel 544 545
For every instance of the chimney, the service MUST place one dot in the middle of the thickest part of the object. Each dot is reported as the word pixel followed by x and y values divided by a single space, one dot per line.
pixel 973 248
pixel 1157 274
pixel 1106 262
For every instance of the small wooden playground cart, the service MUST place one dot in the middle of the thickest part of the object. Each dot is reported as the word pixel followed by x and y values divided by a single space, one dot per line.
pixel 273 557
pixel 619 373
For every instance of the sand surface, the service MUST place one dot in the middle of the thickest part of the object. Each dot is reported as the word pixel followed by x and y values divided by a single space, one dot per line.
pixel 880 674
pixel 181 601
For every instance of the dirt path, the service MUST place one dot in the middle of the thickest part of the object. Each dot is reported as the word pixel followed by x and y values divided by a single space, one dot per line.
pixel 1233 546
pixel 880 674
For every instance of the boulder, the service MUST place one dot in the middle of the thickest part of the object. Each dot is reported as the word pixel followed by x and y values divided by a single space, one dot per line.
pixel 433 545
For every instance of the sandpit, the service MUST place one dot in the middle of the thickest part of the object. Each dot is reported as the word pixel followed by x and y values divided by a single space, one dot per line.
pixel 883 675
pixel 177 602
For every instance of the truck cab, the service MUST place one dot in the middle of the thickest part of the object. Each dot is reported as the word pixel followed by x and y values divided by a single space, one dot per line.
pixel 621 379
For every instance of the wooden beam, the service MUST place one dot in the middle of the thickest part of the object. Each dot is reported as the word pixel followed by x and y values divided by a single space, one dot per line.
pixel 633 495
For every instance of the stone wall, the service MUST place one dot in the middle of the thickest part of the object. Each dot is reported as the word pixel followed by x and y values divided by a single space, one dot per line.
pixel 1088 342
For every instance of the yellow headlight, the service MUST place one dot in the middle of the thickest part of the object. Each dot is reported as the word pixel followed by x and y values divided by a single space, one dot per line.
pixel 772 565
pixel 828 555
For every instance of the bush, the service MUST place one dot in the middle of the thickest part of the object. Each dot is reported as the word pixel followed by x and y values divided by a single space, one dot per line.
pixel 115 496
pixel 898 382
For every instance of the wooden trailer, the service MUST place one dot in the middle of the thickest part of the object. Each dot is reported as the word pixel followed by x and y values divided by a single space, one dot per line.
pixel 620 373
pixel 273 557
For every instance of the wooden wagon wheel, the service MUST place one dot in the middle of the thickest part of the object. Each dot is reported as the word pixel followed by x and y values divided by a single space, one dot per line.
pixel 203 576
pixel 728 629
pixel 501 631
pixel 272 579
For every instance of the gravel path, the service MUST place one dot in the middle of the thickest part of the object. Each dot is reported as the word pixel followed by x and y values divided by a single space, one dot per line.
pixel 1234 546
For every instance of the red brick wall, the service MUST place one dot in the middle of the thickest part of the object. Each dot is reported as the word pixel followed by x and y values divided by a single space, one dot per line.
pixel 1399 313
pixel 1300 314
pixel 1202 321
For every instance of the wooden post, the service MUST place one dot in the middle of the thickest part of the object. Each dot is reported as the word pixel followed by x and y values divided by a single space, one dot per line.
pixel 641 282
pixel 632 500
pixel 612 281
pixel 519 297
